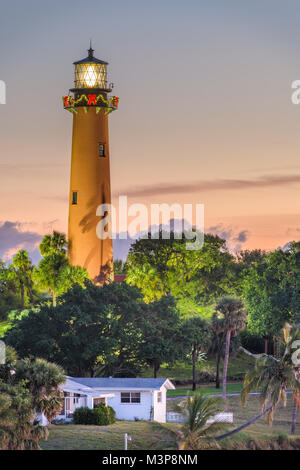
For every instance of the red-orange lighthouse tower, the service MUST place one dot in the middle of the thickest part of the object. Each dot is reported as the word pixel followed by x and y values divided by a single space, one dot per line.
pixel 90 185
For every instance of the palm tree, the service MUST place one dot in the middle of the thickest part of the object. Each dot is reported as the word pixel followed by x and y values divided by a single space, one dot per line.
pixel 196 332
pixel 42 379
pixel 232 316
pixel 275 376
pixel 22 271
pixel 217 343
pixel 198 432
pixel 18 429
pixel 54 273
pixel 54 243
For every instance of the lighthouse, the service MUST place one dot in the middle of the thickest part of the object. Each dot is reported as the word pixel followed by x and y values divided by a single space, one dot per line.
pixel 90 104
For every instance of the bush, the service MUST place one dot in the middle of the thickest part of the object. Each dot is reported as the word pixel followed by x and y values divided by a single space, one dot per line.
pixel 101 415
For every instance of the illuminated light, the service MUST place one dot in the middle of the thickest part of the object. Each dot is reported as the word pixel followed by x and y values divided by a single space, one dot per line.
pixel 90 76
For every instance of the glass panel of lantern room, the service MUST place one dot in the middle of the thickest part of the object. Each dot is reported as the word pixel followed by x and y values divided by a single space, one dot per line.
pixel 90 75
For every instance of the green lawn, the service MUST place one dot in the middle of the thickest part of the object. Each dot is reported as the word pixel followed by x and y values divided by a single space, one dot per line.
pixel 145 435
pixel 154 436
pixel 182 371
pixel 207 389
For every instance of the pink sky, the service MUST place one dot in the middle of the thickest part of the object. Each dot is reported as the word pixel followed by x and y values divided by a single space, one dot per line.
pixel 205 112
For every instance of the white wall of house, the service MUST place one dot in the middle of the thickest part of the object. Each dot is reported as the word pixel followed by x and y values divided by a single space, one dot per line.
pixel 132 411
pixel 160 407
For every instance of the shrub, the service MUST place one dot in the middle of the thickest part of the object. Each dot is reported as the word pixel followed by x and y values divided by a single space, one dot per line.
pixel 83 415
pixel 101 415
pixel 104 415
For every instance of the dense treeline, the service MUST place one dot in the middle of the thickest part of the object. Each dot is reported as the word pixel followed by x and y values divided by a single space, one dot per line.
pixel 175 304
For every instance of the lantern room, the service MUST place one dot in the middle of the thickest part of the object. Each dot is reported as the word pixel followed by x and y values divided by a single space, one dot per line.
pixel 91 73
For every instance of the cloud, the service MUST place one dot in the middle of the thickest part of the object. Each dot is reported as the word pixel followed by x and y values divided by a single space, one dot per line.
pixel 242 236
pixel 234 240
pixel 13 237
pixel 210 185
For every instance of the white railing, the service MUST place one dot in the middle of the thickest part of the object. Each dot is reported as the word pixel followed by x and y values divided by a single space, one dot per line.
pixel 173 417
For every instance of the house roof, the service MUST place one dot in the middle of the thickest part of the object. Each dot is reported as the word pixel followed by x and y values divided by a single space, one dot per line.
pixel 117 383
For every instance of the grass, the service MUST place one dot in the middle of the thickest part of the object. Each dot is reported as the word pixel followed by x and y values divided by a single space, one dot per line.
pixel 182 371
pixel 260 429
pixel 207 389
pixel 154 436
pixel 144 434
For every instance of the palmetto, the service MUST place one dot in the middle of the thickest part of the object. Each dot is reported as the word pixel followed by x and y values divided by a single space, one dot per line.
pixel 274 377
pixel 231 318
pixel 197 431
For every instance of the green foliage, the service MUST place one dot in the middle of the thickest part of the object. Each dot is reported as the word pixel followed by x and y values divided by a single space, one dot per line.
pixel 22 272
pixel 9 298
pixel 251 341
pixel 197 432
pixel 54 273
pixel 231 314
pixel 274 377
pixel 165 266
pixel 42 379
pixel 18 430
pixel 54 244
pixel 120 267
pixel 271 291
pixel 27 386
pixel 92 330
pixel 103 331
pixel 101 415
pixel 160 327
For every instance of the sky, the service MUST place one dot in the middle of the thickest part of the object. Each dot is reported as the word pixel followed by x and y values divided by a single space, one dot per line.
pixel 205 112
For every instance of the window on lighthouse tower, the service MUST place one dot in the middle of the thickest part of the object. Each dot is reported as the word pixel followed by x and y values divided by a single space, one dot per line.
pixel 101 150
pixel 74 198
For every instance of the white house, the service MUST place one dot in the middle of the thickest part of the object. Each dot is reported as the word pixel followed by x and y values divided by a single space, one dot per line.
pixel 132 399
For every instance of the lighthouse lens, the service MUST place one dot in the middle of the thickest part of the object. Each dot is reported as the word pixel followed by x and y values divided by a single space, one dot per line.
pixel 90 76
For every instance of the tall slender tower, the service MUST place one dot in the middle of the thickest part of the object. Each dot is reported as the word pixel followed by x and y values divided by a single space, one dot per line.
pixel 90 105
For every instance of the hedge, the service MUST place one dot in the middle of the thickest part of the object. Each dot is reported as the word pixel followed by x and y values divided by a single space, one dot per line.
pixel 101 415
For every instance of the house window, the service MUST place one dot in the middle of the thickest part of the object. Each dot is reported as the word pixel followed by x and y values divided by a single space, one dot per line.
pixel 159 397
pixel 101 150
pixel 76 398
pixel 74 198
pixel 130 397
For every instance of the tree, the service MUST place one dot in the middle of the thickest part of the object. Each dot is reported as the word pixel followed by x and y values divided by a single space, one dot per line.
pixel 233 318
pixel 54 273
pixel 197 335
pixel 198 432
pixel 54 244
pixel 92 330
pixel 27 386
pixel 160 333
pixel 22 270
pixel 18 429
pixel 164 266
pixel 42 379
pixel 9 298
pixel 271 292
pixel 275 376
pixel 120 267
pixel 217 343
